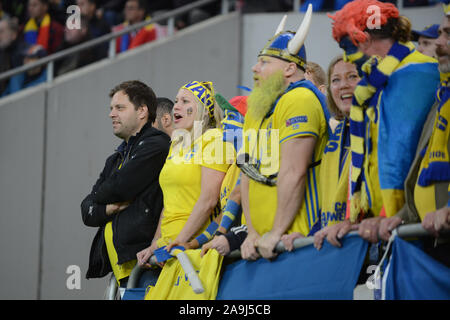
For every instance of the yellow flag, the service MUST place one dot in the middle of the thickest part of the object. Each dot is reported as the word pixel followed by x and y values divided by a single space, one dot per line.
pixel 173 283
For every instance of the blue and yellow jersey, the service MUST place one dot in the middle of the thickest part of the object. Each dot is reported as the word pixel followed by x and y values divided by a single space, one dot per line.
pixel 298 113
pixel 334 176
pixel 395 126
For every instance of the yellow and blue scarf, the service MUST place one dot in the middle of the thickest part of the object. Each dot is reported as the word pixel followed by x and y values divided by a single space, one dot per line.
pixel 436 161
pixel 365 110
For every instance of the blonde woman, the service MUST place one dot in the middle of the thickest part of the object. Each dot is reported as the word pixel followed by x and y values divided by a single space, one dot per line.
pixel 342 78
pixel 195 167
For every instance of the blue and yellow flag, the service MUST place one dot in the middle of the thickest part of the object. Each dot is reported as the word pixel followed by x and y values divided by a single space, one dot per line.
pixel 385 125
pixel 414 275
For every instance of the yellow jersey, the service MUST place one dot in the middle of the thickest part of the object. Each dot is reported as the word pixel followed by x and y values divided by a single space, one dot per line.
pixel 297 114
pixel 180 180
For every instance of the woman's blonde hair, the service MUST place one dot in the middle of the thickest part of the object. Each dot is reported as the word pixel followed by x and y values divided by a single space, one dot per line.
pixel 334 110
pixel 214 122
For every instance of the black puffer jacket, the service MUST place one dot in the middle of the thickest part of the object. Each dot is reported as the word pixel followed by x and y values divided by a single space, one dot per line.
pixel 137 181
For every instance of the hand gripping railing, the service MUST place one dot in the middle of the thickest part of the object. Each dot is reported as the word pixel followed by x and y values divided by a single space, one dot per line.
pixel 196 284
pixel 403 231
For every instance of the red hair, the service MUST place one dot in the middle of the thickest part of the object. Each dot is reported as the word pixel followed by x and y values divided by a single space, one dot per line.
pixel 352 19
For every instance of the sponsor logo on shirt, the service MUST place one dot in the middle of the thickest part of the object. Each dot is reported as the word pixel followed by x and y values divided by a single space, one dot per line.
pixel 295 120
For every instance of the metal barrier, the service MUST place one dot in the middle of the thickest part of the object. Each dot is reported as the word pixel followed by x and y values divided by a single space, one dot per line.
pixel 404 231
pixel 111 38
pixel 296 5
pixel 111 290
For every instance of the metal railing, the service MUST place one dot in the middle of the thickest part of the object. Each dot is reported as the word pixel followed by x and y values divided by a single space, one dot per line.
pixel 403 231
pixel 297 4
pixel 111 38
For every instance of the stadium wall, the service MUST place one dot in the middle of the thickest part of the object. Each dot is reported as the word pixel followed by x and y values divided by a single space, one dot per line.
pixel 55 140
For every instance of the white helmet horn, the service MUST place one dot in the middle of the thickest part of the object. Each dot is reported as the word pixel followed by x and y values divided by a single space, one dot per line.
pixel 296 43
pixel 281 25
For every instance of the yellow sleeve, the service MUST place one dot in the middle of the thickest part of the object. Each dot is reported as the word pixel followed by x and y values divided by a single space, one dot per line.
pixel 215 153
pixel 298 114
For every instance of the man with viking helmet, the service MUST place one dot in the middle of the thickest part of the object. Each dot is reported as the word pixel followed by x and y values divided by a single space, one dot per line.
pixel 286 131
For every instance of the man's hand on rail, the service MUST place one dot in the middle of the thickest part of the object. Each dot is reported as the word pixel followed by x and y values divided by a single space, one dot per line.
pixel 442 219
pixel 144 255
pixel 437 221
pixel 333 234
pixel 267 243
pixel 368 229
pixel 386 227
pixel 220 243
pixel 248 247
pixel 288 240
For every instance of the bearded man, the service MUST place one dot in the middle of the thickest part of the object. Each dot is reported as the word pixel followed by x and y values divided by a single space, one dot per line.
pixel 286 131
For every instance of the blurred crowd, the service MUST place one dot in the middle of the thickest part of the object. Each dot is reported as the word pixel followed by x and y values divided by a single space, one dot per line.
pixel 32 29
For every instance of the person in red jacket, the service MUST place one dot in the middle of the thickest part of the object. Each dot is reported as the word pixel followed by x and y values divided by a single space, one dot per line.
pixel 41 28
pixel 134 12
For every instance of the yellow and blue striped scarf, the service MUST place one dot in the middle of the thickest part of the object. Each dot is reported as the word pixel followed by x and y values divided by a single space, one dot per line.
pixel 436 161
pixel 376 73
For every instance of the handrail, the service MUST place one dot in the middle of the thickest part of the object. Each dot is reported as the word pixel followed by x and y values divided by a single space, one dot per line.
pixel 111 290
pixel 105 38
pixel 403 231
pixel 113 35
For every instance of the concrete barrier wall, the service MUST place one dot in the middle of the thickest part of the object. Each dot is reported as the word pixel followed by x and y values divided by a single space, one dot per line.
pixel 72 113
pixel 22 129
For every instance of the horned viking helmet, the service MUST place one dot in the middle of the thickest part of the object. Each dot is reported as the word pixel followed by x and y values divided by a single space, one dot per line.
pixel 287 45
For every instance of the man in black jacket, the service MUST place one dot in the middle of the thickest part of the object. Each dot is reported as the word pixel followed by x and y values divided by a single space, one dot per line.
pixel 126 201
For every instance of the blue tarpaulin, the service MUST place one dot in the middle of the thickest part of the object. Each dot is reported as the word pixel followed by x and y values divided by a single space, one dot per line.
pixel 414 275
pixel 306 273
pixel 134 294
